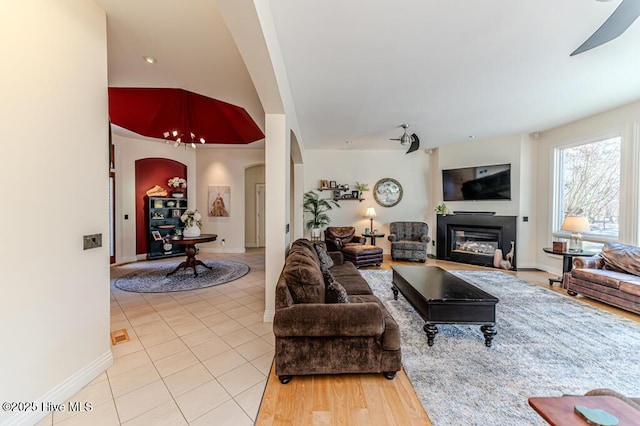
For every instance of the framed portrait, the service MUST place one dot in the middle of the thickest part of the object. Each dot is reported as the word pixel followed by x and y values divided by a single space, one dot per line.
pixel 324 184
pixel 336 195
pixel 176 213
pixel 387 192
pixel 219 201
pixel 332 184
pixel 355 194
pixel 156 235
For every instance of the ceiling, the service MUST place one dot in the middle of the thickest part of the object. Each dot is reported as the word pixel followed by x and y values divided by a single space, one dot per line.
pixel 358 69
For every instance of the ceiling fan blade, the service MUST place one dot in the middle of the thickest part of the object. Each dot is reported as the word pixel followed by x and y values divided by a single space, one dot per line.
pixel 613 27
pixel 415 143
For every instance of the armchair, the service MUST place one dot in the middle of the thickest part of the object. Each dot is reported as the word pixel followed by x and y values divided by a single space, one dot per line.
pixel 338 237
pixel 409 240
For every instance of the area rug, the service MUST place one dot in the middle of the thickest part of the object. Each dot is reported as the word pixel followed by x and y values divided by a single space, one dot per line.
pixel 152 277
pixel 547 345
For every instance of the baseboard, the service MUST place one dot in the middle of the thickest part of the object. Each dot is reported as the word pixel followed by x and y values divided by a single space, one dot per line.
pixel 64 390
pixel 268 315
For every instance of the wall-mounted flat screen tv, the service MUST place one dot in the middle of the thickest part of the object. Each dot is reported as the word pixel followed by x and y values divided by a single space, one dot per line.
pixel 477 183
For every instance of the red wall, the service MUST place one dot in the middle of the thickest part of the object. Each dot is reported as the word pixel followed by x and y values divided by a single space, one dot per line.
pixel 151 172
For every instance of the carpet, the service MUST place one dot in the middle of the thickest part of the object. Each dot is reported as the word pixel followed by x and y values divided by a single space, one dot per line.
pixel 547 345
pixel 152 277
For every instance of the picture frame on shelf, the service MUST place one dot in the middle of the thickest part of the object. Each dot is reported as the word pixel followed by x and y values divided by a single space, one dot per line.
pixel 346 196
pixel 355 194
pixel 158 204
pixel 324 184
pixel 156 235
pixel 336 194
pixel 333 184
pixel 176 213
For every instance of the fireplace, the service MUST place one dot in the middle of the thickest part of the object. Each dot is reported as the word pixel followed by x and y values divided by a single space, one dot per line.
pixel 474 237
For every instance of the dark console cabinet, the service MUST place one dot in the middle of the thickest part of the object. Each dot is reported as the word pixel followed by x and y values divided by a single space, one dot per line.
pixel 163 223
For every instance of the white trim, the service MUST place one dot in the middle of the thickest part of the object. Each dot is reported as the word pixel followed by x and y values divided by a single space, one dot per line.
pixel 64 390
pixel 268 315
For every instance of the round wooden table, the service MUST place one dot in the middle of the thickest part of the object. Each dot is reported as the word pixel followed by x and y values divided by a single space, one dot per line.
pixel 567 261
pixel 190 243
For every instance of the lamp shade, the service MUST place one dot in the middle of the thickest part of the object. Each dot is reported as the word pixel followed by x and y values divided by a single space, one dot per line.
pixel 576 224
pixel 371 213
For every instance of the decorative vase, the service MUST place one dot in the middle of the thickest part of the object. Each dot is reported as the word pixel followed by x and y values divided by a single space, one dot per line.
pixel 191 231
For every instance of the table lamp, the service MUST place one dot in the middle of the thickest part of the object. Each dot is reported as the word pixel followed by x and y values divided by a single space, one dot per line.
pixel 575 224
pixel 371 213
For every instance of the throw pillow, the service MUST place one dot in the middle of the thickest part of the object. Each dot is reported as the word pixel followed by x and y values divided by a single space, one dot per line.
pixel 621 257
pixel 335 289
pixel 325 260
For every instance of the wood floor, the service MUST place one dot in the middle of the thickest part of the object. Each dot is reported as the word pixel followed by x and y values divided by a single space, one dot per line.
pixel 369 399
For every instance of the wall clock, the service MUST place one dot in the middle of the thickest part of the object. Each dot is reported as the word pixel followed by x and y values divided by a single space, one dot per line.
pixel 387 192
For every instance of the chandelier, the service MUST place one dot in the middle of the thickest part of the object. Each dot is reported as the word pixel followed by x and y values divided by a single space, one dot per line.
pixel 178 138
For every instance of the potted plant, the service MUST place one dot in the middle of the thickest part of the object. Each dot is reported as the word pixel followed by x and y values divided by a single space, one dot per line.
pixel 361 187
pixel 193 221
pixel 177 185
pixel 441 209
pixel 312 203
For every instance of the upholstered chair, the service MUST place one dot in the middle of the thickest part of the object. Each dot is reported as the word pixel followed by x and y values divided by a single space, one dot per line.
pixel 409 240
pixel 337 237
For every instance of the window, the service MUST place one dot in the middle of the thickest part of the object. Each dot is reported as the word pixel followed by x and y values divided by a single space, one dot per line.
pixel 588 184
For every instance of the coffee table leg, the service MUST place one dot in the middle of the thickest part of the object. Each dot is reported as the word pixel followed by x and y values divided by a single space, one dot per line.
pixel 395 292
pixel 431 331
pixel 489 331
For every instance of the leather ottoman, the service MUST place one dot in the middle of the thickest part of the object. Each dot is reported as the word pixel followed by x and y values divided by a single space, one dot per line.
pixel 362 254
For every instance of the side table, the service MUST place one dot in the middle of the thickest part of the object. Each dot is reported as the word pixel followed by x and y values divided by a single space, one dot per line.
pixel 559 411
pixel 567 261
pixel 373 237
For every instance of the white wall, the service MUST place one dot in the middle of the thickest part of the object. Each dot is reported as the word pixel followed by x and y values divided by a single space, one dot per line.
pixel 412 171
pixel 627 119
pixel 224 167
pixel 54 309
pixel 128 151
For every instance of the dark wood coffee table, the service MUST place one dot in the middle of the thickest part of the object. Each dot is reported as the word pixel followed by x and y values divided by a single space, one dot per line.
pixel 442 298
pixel 559 410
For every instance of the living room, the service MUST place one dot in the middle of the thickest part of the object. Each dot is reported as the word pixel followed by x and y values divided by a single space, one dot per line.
pixel 56 316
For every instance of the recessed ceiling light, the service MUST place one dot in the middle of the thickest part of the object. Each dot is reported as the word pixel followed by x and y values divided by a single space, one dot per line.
pixel 348 142
pixel 472 136
pixel 149 59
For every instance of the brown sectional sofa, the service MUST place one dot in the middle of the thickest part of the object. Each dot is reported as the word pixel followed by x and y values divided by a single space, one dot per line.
pixel 611 277
pixel 316 335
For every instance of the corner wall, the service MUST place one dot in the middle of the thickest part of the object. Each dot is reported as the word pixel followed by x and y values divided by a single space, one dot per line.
pixel 224 167
pixel 54 309
pixel 412 171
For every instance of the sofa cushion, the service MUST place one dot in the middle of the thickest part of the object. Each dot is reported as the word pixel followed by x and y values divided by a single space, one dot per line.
pixel 630 286
pixel 325 260
pixel 603 277
pixel 335 291
pixel 622 257
pixel 304 278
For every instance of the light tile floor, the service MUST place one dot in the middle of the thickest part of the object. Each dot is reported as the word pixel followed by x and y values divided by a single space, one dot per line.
pixel 198 357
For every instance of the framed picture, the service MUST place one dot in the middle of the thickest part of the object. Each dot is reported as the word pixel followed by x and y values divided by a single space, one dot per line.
pixel 324 184
pixel 176 213
pixel 346 196
pixel 355 194
pixel 219 201
pixel 156 235
pixel 332 184
pixel 336 194
pixel 387 192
